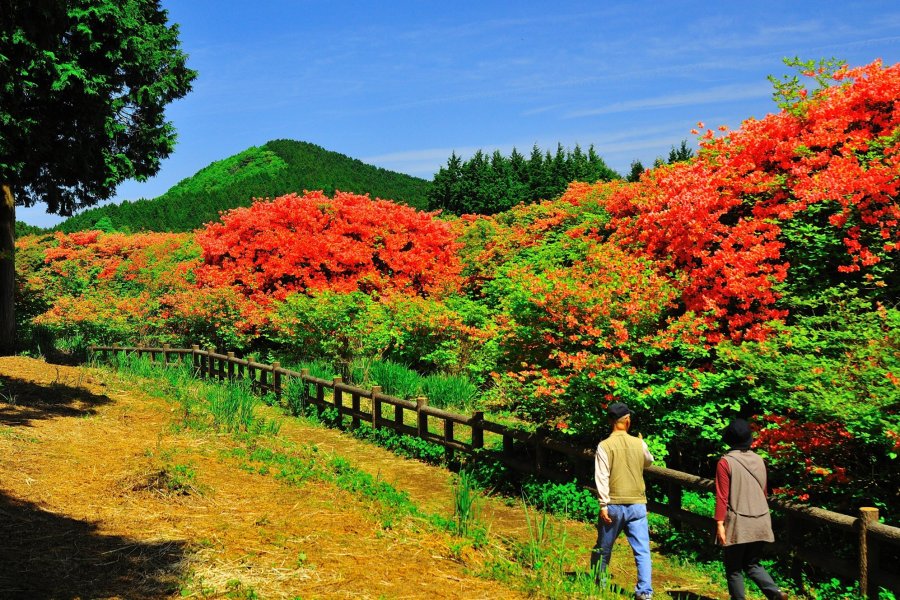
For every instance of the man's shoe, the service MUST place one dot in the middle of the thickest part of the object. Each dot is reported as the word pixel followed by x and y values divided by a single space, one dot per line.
pixel 782 595
pixel 650 596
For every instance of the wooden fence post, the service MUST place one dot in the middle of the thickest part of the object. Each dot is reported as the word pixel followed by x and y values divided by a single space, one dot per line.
pixel 477 430
pixel 338 396
pixel 210 364
pixel 231 366
pixel 320 399
pixel 448 437
pixel 673 491
pixel 304 391
pixel 276 379
pixel 867 515
pixel 421 417
pixel 354 418
pixel 793 537
pixel 376 406
pixel 195 357
pixel 166 355
pixel 263 379
pixel 398 416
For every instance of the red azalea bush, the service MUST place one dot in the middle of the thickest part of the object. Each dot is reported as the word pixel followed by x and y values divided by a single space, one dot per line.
pixel 819 454
pixel 312 242
pixel 717 220
pixel 211 317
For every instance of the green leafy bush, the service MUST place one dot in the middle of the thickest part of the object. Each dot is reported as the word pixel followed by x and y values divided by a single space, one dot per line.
pixel 395 379
pixel 449 391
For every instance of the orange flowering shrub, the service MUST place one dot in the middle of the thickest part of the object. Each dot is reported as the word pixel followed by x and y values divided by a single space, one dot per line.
pixel 106 287
pixel 211 317
pixel 830 159
pixel 312 242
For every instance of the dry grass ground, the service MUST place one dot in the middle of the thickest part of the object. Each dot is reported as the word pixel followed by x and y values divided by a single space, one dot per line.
pixel 102 497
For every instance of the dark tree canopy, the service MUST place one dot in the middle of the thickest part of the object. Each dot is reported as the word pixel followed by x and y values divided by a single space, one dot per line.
pixel 634 173
pixel 83 88
pixel 488 184
pixel 680 154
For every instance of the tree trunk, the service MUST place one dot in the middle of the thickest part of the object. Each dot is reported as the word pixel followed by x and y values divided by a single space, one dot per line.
pixel 7 271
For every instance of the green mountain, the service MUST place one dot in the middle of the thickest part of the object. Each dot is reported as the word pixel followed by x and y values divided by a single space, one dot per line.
pixel 26 229
pixel 276 168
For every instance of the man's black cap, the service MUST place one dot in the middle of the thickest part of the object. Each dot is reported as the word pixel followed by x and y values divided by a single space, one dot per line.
pixel 617 410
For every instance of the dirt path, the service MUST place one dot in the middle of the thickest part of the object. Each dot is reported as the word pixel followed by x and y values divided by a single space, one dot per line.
pixel 82 456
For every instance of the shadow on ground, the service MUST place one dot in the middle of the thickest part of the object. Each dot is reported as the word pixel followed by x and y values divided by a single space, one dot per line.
pixel 686 595
pixel 45 555
pixel 613 589
pixel 22 402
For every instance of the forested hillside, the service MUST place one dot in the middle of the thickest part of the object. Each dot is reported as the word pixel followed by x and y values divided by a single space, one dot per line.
pixel 26 229
pixel 278 167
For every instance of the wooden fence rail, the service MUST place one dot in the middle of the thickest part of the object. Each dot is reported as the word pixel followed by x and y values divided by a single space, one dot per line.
pixel 877 546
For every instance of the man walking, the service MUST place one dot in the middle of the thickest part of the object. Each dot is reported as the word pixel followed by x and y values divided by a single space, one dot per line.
pixel 618 473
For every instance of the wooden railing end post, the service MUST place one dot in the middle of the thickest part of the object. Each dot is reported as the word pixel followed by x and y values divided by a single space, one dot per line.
pixel 867 516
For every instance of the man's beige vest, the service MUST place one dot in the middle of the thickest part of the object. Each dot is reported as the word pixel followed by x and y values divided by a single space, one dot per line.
pixel 626 468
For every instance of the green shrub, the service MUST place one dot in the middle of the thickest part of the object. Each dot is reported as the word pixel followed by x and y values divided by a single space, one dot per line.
pixel 339 328
pixel 395 379
pixel 449 391
pixel 570 499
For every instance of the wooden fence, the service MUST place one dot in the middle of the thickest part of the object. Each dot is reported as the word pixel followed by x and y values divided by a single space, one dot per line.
pixel 806 534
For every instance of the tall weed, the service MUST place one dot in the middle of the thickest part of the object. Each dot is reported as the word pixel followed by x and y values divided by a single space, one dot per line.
pixel 449 391
pixel 395 379
pixel 466 505
pixel 232 407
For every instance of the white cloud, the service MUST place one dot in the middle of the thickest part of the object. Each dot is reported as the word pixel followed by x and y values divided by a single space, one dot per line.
pixel 726 93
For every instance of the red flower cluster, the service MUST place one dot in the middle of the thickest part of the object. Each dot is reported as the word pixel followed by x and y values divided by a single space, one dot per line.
pixel 716 220
pixel 312 242
pixel 815 454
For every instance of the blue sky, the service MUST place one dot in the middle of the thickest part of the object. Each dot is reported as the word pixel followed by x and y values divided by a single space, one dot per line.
pixel 401 85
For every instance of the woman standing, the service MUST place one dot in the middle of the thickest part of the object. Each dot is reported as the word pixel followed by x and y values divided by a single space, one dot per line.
pixel 743 522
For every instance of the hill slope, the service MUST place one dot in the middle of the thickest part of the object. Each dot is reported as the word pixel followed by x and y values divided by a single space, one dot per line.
pixel 278 167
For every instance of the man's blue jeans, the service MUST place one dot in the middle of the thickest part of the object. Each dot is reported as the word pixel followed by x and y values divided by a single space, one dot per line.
pixel 633 519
